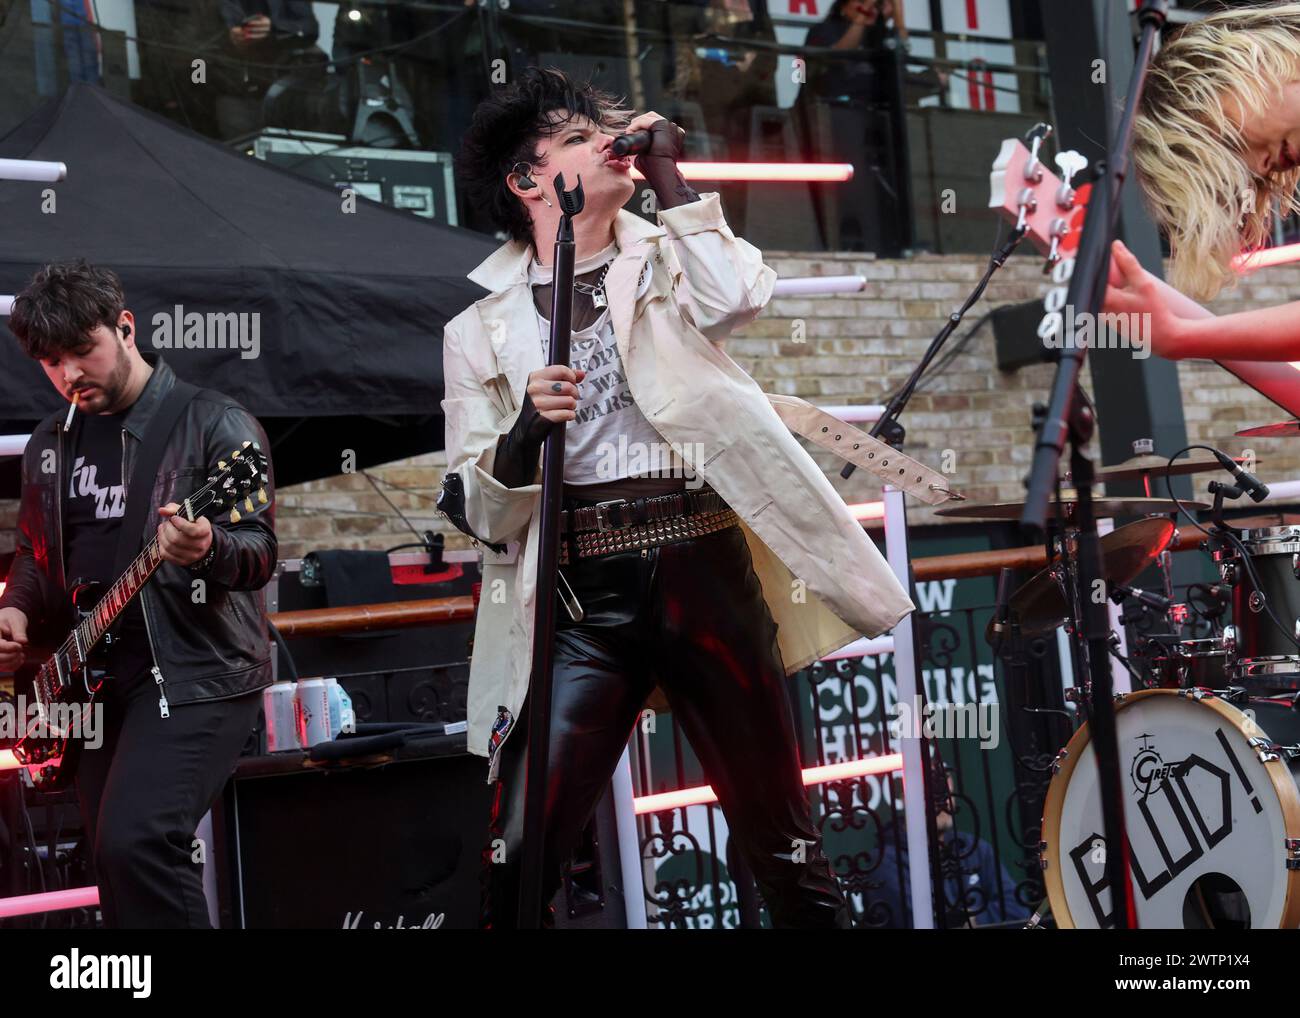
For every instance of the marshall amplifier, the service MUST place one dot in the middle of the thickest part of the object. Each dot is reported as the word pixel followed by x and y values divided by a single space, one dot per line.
pixel 388 840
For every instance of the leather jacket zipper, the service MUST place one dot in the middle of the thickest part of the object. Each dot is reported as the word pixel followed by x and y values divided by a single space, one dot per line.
pixel 164 709
pixel 58 503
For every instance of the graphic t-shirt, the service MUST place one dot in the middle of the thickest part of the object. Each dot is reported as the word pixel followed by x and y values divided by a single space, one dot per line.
pixel 94 503
pixel 610 438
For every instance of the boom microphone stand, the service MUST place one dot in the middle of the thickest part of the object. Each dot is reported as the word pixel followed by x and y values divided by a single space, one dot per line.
pixel 1069 418
pixel 548 554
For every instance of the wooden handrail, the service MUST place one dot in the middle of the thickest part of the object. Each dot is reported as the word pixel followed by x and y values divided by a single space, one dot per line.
pixel 450 610
pixel 364 618
pixel 361 618
pixel 978 563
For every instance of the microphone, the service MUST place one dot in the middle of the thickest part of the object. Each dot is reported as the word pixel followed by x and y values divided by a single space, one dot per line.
pixel 631 144
pixel 1002 613
pixel 1150 599
pixel 1250 484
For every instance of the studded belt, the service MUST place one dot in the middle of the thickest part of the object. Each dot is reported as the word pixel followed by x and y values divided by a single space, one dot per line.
pixel 620 525
pixel 620 512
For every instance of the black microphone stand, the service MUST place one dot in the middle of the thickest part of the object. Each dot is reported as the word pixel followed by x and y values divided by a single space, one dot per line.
pixel 548 557
pixel 1069 418
pixel 887 428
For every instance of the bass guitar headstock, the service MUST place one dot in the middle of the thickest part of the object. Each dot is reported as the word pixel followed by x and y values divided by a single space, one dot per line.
pixel 1048 207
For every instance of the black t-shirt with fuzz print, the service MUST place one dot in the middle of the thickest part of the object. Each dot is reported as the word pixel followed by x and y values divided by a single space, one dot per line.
pixel 94 503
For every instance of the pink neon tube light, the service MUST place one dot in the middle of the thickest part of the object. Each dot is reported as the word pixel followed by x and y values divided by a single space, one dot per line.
pixel 1267 256
pixel 702 794
pixel 867 511
pixel 49 901
pixel 826 173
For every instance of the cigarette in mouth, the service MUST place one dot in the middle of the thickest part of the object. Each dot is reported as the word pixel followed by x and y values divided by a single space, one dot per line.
pixel 71 410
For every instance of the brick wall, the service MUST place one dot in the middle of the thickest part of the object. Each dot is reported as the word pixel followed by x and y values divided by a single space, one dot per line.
pixel 855 349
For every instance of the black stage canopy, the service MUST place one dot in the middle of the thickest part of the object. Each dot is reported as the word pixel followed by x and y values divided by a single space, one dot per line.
pixel 351 305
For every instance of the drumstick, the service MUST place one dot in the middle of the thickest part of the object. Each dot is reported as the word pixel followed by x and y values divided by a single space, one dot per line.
pixel 71 410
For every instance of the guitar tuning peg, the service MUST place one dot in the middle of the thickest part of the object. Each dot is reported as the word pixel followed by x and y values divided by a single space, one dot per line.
pixel 1028 203
pixel 235 455
pixel 261 496
pixel 1059 229
pixel 234 516
pixel 248 504
pixel 1069 162
pixel 257 446
pixel 246 445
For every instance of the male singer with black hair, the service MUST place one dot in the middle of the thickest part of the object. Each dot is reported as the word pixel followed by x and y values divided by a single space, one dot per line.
pixel 184 674
pixel 705 550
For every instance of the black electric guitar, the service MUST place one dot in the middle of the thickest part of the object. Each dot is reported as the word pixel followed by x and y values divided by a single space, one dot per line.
pixel 66 683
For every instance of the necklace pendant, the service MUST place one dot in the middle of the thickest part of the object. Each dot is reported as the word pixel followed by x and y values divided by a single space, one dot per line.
pixel 598 299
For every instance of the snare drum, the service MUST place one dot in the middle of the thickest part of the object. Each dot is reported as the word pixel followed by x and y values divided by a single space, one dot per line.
pixel 1266 660
pixel 1211 810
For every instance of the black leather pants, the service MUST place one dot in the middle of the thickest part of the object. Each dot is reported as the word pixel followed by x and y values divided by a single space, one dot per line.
pixel 691 616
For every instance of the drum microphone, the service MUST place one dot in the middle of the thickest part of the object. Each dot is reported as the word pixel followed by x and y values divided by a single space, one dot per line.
pixel 1002 613
pixel 1249 483
pixel 631 144
pixel 1157 602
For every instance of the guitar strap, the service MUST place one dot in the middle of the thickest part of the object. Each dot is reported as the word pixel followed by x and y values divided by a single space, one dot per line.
pixel 139 492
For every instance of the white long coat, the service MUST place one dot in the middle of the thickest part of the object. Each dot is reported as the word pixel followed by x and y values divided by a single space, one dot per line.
pixel 676 290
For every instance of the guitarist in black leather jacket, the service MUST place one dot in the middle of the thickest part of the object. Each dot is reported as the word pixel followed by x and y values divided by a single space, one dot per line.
pixel 192 653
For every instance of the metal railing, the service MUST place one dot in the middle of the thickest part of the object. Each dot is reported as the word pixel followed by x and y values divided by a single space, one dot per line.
pixel 744 94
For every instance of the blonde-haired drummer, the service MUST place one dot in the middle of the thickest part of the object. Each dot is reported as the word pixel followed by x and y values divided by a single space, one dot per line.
pixel 1216 147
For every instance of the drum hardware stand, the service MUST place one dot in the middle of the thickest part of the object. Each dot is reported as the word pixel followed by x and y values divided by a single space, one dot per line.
pixel 1008 643
pixel 1220 491
pixel 1066 574
pixel 1070 421
pixel 1035 921
pixel 1112 645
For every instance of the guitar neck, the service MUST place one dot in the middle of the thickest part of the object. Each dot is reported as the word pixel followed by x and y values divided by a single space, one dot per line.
pixel 233 480
pixel 92 628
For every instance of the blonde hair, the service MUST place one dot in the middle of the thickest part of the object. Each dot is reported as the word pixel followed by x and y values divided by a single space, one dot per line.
pixel 1190 154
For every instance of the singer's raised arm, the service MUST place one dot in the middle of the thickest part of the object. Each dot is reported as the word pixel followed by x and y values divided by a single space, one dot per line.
pixel 724 282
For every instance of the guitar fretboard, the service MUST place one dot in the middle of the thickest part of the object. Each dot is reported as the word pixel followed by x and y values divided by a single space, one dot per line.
pixel 91 629
pixel 119 595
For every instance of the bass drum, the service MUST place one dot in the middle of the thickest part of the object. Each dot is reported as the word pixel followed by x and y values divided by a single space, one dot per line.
pixel 1211 809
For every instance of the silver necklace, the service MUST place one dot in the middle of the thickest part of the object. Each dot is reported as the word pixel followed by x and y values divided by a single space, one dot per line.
pixel 595 292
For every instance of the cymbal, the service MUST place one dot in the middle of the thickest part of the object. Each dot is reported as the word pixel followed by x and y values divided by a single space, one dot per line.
pixel 1125 552
pixel 1068 507
pixel 1282 429
pixel 1137 468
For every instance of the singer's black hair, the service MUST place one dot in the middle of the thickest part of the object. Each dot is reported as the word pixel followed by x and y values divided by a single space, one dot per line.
pixel 62 304
pixel 506 128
